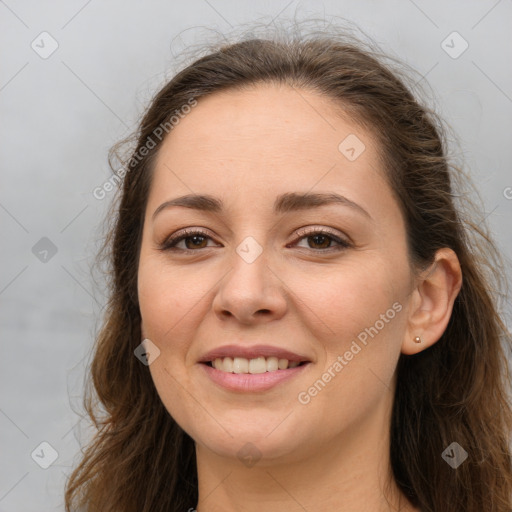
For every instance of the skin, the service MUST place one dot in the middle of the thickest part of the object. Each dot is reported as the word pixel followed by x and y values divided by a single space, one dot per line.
pixel 246 147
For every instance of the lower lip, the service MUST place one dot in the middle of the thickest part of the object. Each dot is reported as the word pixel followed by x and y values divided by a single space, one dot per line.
pixel 248 382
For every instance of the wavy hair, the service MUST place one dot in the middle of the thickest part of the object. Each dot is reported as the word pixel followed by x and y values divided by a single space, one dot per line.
pixel 139 458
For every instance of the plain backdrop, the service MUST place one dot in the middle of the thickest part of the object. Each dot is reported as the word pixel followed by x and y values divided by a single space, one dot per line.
pixel 74 78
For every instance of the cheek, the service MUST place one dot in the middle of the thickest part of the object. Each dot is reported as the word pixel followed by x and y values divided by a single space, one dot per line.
pixel 170 304
pixel 354 383
pixel 357 313
pixel 351 297
pixel 170 299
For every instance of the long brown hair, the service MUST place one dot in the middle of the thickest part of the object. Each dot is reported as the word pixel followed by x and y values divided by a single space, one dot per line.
pixel 456 391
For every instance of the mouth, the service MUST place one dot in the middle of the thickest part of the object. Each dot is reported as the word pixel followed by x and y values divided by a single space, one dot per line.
pixel 257 368
pixel 242 365
pixel 241 375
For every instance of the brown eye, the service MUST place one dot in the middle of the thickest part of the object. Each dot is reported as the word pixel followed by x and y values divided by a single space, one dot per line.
pixel 317 240
pixel 197 241
pixel 192 239
pixel 321 240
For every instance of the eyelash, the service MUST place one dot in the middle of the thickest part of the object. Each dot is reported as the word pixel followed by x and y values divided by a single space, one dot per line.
pixel 170 243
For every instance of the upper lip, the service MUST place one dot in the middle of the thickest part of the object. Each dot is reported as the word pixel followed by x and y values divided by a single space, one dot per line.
pixel 251 353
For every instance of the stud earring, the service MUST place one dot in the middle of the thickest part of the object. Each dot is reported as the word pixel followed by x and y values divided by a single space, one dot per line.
pixel 417 339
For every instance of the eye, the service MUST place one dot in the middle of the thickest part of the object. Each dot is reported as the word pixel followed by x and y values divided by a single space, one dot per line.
pixel 322 238
pixel 197 239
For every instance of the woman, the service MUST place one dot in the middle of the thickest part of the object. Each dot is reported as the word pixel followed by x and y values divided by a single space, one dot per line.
pixel 299 317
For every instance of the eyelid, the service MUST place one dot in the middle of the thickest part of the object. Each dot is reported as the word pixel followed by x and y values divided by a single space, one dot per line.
pixel 185 233
pixel 342 240
pixel 326 230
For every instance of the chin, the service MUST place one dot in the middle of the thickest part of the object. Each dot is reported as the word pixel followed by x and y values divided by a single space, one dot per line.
pixel 251 445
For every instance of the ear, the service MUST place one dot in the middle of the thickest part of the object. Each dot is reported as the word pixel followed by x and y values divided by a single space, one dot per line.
pixel 432 301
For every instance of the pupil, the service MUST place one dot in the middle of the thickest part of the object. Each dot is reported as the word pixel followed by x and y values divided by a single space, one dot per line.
pixel 196 240
pixel 316 237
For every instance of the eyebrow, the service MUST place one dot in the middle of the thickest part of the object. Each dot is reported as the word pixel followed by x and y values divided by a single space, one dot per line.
pixel 284 203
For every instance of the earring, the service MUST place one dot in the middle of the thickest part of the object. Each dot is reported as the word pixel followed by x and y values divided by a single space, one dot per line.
pixel 417 339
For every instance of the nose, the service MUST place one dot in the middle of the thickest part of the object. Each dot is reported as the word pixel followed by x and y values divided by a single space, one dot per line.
pixel 251 292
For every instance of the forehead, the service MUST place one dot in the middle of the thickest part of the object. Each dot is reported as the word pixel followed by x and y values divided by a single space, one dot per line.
pixel 266 140
pixel 251 119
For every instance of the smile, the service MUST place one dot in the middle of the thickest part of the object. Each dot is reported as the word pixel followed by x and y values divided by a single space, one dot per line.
pixel 241 379
pixel 253 366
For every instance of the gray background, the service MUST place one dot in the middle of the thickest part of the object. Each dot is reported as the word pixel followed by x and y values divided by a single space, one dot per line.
pixel 60 115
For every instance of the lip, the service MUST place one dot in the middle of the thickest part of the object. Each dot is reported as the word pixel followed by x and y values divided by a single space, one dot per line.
pixel 248 382
pixel 252 353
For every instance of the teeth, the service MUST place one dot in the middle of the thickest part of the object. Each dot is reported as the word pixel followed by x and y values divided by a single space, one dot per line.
pixel 258 365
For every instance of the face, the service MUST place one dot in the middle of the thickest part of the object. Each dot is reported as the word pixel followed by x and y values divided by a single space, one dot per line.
pixel 327 283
